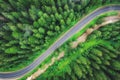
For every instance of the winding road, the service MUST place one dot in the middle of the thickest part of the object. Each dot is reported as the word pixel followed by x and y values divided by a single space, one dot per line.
pixel 59 42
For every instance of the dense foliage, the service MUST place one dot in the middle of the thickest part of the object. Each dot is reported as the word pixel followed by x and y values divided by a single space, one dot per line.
pixel 29 26
pixel 96 59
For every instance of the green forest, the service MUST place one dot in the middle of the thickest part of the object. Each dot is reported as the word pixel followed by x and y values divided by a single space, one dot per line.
pixel 29 27
pixel 96 59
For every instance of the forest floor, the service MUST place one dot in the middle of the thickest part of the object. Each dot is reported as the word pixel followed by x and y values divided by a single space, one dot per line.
pixel 82 38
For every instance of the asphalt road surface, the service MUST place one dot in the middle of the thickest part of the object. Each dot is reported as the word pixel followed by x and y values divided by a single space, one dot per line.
pixel 59 42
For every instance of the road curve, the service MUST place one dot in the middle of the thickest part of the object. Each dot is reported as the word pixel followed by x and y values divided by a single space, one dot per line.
pixel 59 42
